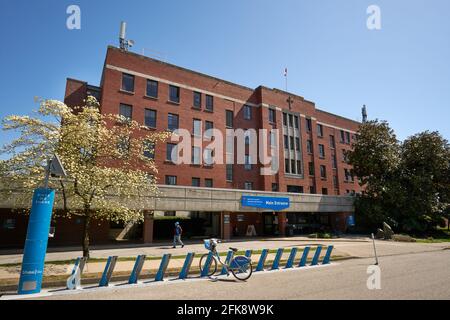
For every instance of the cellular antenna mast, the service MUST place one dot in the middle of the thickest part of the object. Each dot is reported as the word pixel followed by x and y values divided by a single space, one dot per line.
pixel 124 43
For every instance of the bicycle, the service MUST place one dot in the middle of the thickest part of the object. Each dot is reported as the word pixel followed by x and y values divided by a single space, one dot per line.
pixel 240 266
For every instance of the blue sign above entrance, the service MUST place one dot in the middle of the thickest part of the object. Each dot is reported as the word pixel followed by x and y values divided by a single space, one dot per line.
pixel 272 203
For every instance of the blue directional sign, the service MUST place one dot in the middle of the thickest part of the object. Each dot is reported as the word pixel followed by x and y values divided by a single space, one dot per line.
pixel 36 241
pixel 272 203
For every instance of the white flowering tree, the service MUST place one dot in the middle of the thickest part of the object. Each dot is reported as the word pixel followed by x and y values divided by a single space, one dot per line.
pixel 107 158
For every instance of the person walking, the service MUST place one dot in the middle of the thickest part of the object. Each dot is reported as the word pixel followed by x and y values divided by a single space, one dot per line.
pixel 177 235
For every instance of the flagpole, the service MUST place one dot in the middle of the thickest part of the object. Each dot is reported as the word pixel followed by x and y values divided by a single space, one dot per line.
pixel 286 78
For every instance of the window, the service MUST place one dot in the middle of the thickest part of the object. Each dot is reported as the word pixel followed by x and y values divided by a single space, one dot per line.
pixel 342 136
pixel 308 125
pixel 285 119
pixel 347 175
pixel 172 122
pixel 248 162
pixel 333 161
pixel 347 137
pixel 229 118
pixel 286 142
pixel 127 82
pixel 323 172
pixel 312 190
pixel 150 118
pixel 321 151
pixel 319 130
pixel 287 166
pixel 297 144
pixel 208 154
pixel 247 112
pixel 171 150
pixel 324 191
pixel 197 100
pixel 275 187
pixel 309 146
pixel 149 149
pixel 272 116
pixel 196 182
pixel 229 172
pixel 332 142
pixel 296 122
pixel 311 168
pixel 295 189
pixel 174 94
pixel 197 127
pixel 152 89
pixel 209 103
pixel 299 167
pixel 196 151
pixel 208 126
pixel 126 111
pixel 291 140
pixel 344 156
pixel 293 167
pixel 171 180
pixel 123 146
pixel 291 120
pixel 208 183
pixel 248 185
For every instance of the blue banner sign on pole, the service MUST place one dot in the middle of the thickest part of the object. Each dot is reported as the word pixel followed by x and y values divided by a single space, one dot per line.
pixel 163 267
pixel 248 253
pixel 271 203
pixel 107 273
pixel 205 270
pixel 276 262
pixel 227 262
pixel 36 242
pixel 74 281
pixel 351 221
pixel 304 257
pixel 187 265
pixel 326 259
pixel 290 262
pixel 262 260
pixel 315 259
pixel 134 277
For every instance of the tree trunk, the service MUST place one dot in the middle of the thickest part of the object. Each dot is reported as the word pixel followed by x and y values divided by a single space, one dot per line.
pixel 85 240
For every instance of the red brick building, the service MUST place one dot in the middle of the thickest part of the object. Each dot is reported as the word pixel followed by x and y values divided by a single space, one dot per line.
pixel 163 96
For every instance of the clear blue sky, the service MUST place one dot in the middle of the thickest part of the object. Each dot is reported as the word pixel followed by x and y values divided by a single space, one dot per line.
pixel 402 72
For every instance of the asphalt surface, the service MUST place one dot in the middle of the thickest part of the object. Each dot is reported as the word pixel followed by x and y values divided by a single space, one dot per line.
pixel 422 275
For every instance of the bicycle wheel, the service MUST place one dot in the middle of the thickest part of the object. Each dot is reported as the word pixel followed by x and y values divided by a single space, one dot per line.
pixel 212 266
pixel 241 268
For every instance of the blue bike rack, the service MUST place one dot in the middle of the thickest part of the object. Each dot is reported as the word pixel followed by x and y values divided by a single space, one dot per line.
pixel 163 267
pixel 248 253
pixel 137 269
pixel 262 260
pixel 326 259
pixel 227 262
pixel 290 262
pixel 276 262
pixel 205 270
pixel 107 273
pixel 187 265
pixel 315 259
pixel 304 257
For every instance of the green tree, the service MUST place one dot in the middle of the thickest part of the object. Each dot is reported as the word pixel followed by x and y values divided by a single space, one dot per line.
pixel 425 161
pixel 103 155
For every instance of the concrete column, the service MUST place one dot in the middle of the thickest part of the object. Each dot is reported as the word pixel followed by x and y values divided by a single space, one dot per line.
pixel 282 223
pixel 225 222
pixel 148 227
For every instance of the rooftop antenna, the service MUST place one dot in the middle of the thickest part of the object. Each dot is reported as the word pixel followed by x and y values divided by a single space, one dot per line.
pixel 364 114
pixel 124 43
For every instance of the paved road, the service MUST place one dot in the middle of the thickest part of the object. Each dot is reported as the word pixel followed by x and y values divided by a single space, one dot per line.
pixel 422 275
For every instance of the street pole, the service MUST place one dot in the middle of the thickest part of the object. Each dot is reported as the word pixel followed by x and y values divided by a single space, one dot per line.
pixel 375 250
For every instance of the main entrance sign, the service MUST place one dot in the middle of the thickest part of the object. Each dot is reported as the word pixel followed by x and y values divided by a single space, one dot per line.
pixel 272 203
